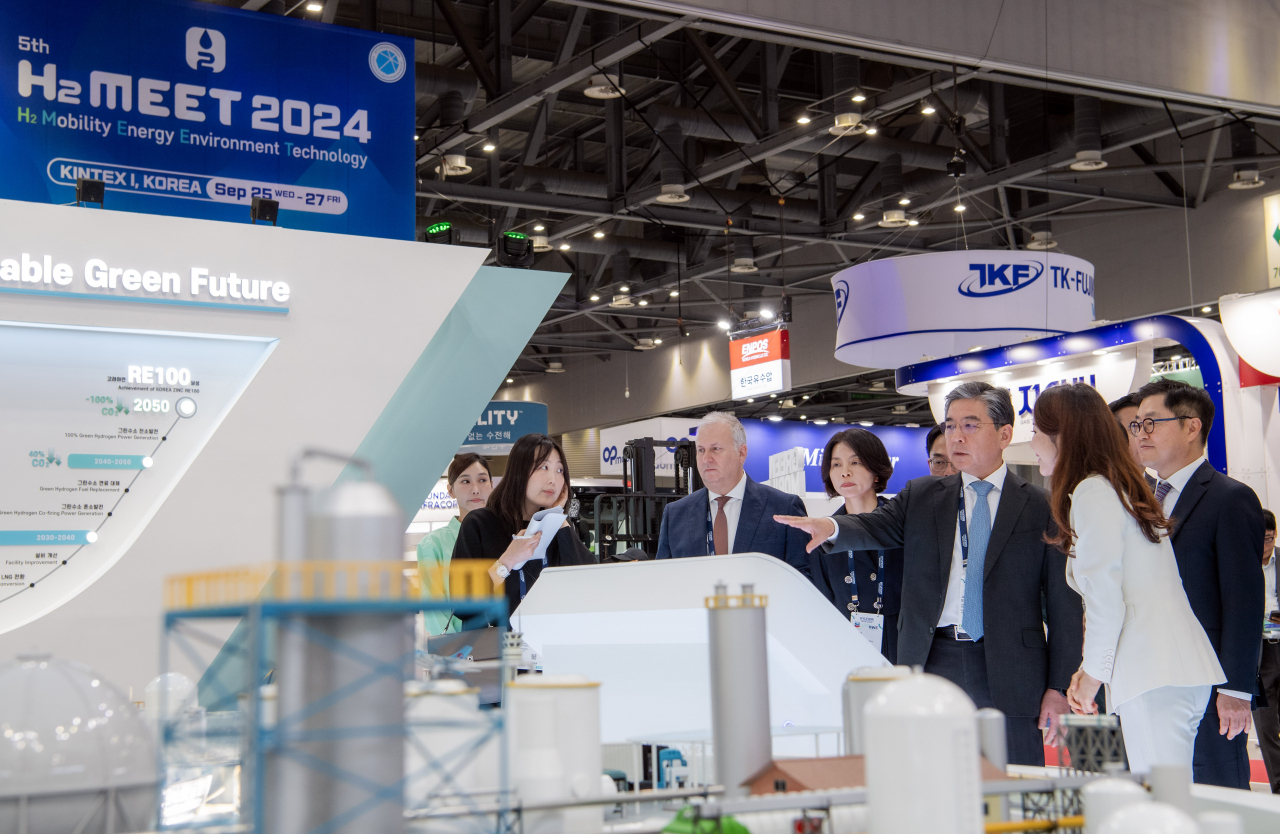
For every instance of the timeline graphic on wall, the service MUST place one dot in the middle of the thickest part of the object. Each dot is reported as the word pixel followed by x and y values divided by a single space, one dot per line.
pixel 96 428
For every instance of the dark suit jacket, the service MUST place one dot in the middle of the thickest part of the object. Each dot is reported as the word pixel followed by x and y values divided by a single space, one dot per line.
pixel 685 526
pixel 1020 572
pixel 832 567
pixel 1217 540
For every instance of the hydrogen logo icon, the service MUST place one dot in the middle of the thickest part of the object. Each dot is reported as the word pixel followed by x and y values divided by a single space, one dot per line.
pixel 842 299
pixel 206 49
pixel 387 62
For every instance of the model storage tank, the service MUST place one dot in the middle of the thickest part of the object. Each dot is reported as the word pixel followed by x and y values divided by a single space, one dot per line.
pixel 922 731
pixel 861 685
pixel 739 687
pixel 353 662
pixel 553 727
pixel 452 749
pixel 75 754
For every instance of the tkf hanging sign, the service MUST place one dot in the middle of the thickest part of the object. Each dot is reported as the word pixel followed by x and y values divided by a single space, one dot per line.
pixel 192 109
pixel 760 363
pixel 897 311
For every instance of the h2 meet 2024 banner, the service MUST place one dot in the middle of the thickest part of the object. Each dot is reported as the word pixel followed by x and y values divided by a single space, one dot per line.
pixel 192 109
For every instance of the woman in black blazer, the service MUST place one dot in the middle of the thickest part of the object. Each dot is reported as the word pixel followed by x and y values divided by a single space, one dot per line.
pixel 537 477
pixel 855 466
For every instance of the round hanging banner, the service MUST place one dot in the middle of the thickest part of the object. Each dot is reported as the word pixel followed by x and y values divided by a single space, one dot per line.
pixel 898 311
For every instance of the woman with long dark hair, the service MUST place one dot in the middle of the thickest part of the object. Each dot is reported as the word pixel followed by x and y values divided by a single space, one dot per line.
pixel 469 483
pixel 537 478
pixel 864 585
pixel 1142 640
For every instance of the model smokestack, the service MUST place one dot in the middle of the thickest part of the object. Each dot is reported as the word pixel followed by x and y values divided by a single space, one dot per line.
pixel 739 686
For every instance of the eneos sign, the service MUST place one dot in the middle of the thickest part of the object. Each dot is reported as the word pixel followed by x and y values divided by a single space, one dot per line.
pixel 760 363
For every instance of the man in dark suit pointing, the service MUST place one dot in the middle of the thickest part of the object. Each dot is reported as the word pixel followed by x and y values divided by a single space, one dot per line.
pixel 1217 535
pixel 732 514
pixel 973 581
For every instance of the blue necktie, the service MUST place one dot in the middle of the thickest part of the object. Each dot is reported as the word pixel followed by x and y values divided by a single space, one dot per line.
pixel 979 535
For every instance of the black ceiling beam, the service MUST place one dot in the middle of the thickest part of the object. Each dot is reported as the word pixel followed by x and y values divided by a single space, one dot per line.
pixel 1165 177
pixel 475 57
pixel 722 79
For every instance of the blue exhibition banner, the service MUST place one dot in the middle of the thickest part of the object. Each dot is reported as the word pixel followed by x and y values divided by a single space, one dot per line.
pixel 193 109
pixel 502 423
pixel 904 445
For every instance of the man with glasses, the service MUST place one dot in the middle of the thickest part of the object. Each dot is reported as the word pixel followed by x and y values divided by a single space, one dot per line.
pixel 936 447
pixel 1217 537
pixel 1125 410
pixel 1268 718
pixel 976 568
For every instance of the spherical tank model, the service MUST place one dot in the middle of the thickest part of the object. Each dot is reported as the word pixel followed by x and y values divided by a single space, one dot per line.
pixel 922 736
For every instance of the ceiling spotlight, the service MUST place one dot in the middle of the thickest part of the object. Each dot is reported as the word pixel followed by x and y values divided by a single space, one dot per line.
pixel 803 417
pixel 928 109
pixel 510 380
pixel 538 227
pixel 1046 361
pixel 773 396
pixel 859 216
pixel 858 96
pixel 644 302
pixel 893 219
pixel 624 288
pixel 1206 309
pixel 315 7
pixel 819 422
pixel 723 324
pixel 872 130
pixel 804 397
pixel 674 293
pixel 657 341
pixel 604 87
pixel 751 399
pixel 1175 357
pixel 958 207
pixel 597 234
pixel 1101 352
pixel 595 297
pixel 865 423
pixel 564 247
pixel 804 120
pixel 489 146
pixel 913 222
pixel 766 314
pixel 775 418
pixel 1243 180
pixel 415 137
pixel 904 201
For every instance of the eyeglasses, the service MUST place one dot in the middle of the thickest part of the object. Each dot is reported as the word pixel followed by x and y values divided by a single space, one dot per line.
pixel 968 426
pixel 938 464
pixel 1149 425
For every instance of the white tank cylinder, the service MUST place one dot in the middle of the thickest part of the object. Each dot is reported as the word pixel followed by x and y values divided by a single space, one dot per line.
pixel 859 687
pixel 1171 784
pixel 1149 818
pixel 740 731
pixel 1103 797
pixel 923 771
pixel 451 750
pixel 553 728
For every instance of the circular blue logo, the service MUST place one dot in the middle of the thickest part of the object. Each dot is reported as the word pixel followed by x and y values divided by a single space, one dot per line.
pixel 387 62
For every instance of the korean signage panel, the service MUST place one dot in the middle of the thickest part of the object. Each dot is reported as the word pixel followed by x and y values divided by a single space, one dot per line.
pixel 502 423
pixel 193 109
pixel 760 363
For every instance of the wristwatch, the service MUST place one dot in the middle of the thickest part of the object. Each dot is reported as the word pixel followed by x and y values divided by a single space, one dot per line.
pixel 502 571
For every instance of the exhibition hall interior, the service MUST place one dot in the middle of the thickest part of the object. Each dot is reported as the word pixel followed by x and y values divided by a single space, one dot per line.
pixel 638 416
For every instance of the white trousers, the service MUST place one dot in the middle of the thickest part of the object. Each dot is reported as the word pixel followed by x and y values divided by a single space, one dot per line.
pixel 1160 725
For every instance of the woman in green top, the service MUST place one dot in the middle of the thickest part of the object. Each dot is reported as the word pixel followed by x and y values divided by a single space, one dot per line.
pixel 469 483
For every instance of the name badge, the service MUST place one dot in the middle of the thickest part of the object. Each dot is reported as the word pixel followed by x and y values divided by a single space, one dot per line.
pixel 871 627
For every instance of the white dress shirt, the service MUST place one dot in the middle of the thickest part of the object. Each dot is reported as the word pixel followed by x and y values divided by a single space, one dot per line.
pixel 1178 482
pixel 953 605
pixel 732 508
pixel 1269 576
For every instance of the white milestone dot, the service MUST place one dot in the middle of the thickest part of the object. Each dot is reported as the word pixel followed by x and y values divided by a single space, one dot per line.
pixel 91 537
pixel 146 463
pixel 186 407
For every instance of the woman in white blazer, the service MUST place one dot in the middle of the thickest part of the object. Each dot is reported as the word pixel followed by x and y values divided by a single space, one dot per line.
pixel 1142 640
